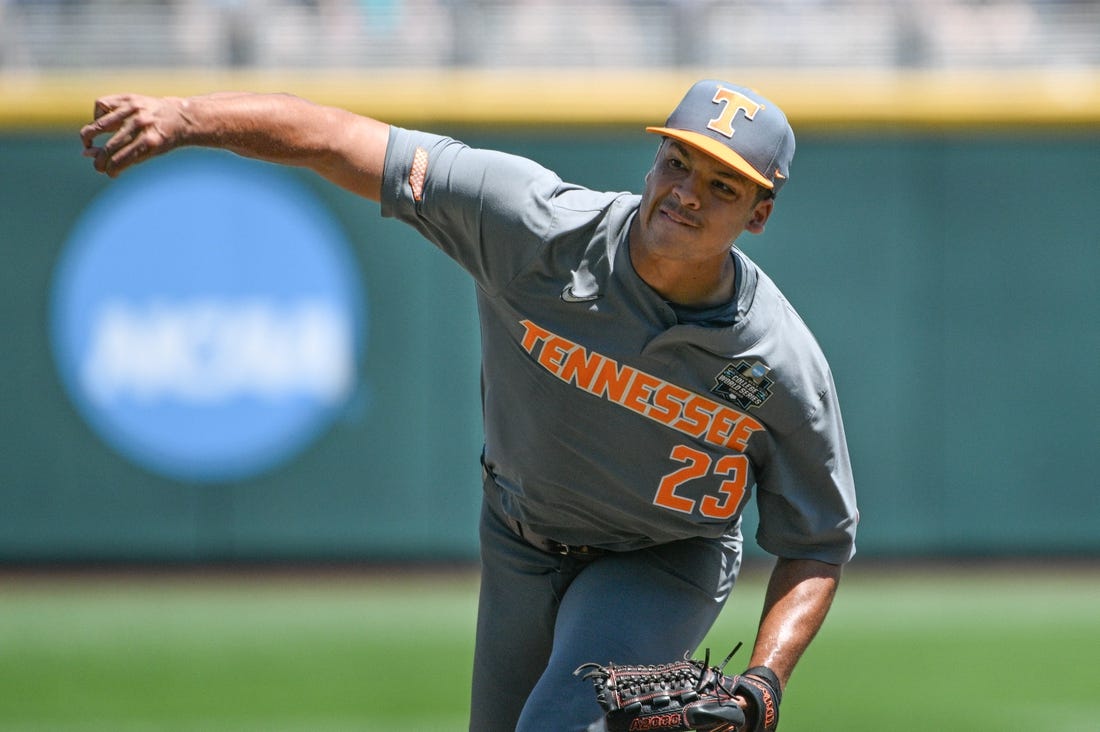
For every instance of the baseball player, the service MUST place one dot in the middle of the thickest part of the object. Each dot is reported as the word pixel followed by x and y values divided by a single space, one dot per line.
pixel 641 377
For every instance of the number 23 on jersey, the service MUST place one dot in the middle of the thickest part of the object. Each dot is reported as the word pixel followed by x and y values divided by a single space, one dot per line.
pixel 733 470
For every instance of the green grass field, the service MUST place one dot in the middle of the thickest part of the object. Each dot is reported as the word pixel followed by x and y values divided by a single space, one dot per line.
pixel 903 650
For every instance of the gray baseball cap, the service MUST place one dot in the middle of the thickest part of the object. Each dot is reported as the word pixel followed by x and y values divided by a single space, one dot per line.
pixel 738 127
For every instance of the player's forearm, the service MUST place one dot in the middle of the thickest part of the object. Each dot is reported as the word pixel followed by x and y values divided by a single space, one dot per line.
pixel 343 147
pixel 800 593
pixel 275 127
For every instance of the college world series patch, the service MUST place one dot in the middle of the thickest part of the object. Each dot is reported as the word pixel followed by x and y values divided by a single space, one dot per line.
pixel 743 383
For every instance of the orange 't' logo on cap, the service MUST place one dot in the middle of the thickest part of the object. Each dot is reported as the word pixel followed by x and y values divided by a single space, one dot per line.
pixel 735 102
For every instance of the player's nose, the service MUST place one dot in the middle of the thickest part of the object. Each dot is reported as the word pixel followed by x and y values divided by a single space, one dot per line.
pixel 687 191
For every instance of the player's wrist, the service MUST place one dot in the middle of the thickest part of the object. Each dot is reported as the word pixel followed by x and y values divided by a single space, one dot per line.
pixel 760 687
pixel 185 128
pixel 765 673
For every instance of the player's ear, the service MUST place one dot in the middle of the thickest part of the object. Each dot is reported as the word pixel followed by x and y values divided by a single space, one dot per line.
pixel 760 214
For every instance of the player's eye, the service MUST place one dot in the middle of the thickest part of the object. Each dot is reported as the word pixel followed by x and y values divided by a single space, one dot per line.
pixel 676 163
pixel 724 189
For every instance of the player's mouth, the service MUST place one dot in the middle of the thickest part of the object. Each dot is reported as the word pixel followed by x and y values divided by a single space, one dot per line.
pixel 678 215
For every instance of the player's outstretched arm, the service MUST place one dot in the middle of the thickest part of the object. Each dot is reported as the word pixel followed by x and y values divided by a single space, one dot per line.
pixel 346 148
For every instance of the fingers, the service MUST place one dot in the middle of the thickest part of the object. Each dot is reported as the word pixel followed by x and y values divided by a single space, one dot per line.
pixel 108 115
pixel 119 153
pixel 134 135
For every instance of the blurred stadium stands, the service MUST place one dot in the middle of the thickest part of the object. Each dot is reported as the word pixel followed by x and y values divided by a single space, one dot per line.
pixel 558 34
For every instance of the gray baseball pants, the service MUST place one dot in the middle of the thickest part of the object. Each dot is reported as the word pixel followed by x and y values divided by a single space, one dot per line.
pixel 542 615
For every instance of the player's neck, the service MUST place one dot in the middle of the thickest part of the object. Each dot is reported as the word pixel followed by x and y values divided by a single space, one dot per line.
pixel 691 283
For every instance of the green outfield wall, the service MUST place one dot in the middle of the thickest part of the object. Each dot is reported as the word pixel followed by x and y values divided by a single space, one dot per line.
pixel 949 270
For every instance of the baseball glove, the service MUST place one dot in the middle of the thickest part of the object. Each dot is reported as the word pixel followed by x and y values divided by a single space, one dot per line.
pixel 685 695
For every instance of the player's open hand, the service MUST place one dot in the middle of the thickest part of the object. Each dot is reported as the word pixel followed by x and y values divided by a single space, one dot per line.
pixel 140 127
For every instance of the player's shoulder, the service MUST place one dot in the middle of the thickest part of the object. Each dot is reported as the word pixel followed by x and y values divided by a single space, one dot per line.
pixel 767 303
pixel 447 157
pixel 779 330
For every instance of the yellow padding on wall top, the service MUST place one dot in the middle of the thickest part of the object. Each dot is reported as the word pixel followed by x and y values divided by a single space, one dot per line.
pixel 849 98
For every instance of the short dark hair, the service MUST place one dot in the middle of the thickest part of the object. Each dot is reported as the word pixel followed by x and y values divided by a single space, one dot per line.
pixel 763 194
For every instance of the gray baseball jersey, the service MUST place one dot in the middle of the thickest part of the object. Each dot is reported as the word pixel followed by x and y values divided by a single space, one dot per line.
pixel 612 418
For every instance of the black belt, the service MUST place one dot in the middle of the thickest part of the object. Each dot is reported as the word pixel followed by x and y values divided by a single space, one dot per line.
pixel 550 546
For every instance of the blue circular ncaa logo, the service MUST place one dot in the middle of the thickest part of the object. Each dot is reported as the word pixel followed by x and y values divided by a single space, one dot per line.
pixel 206 317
